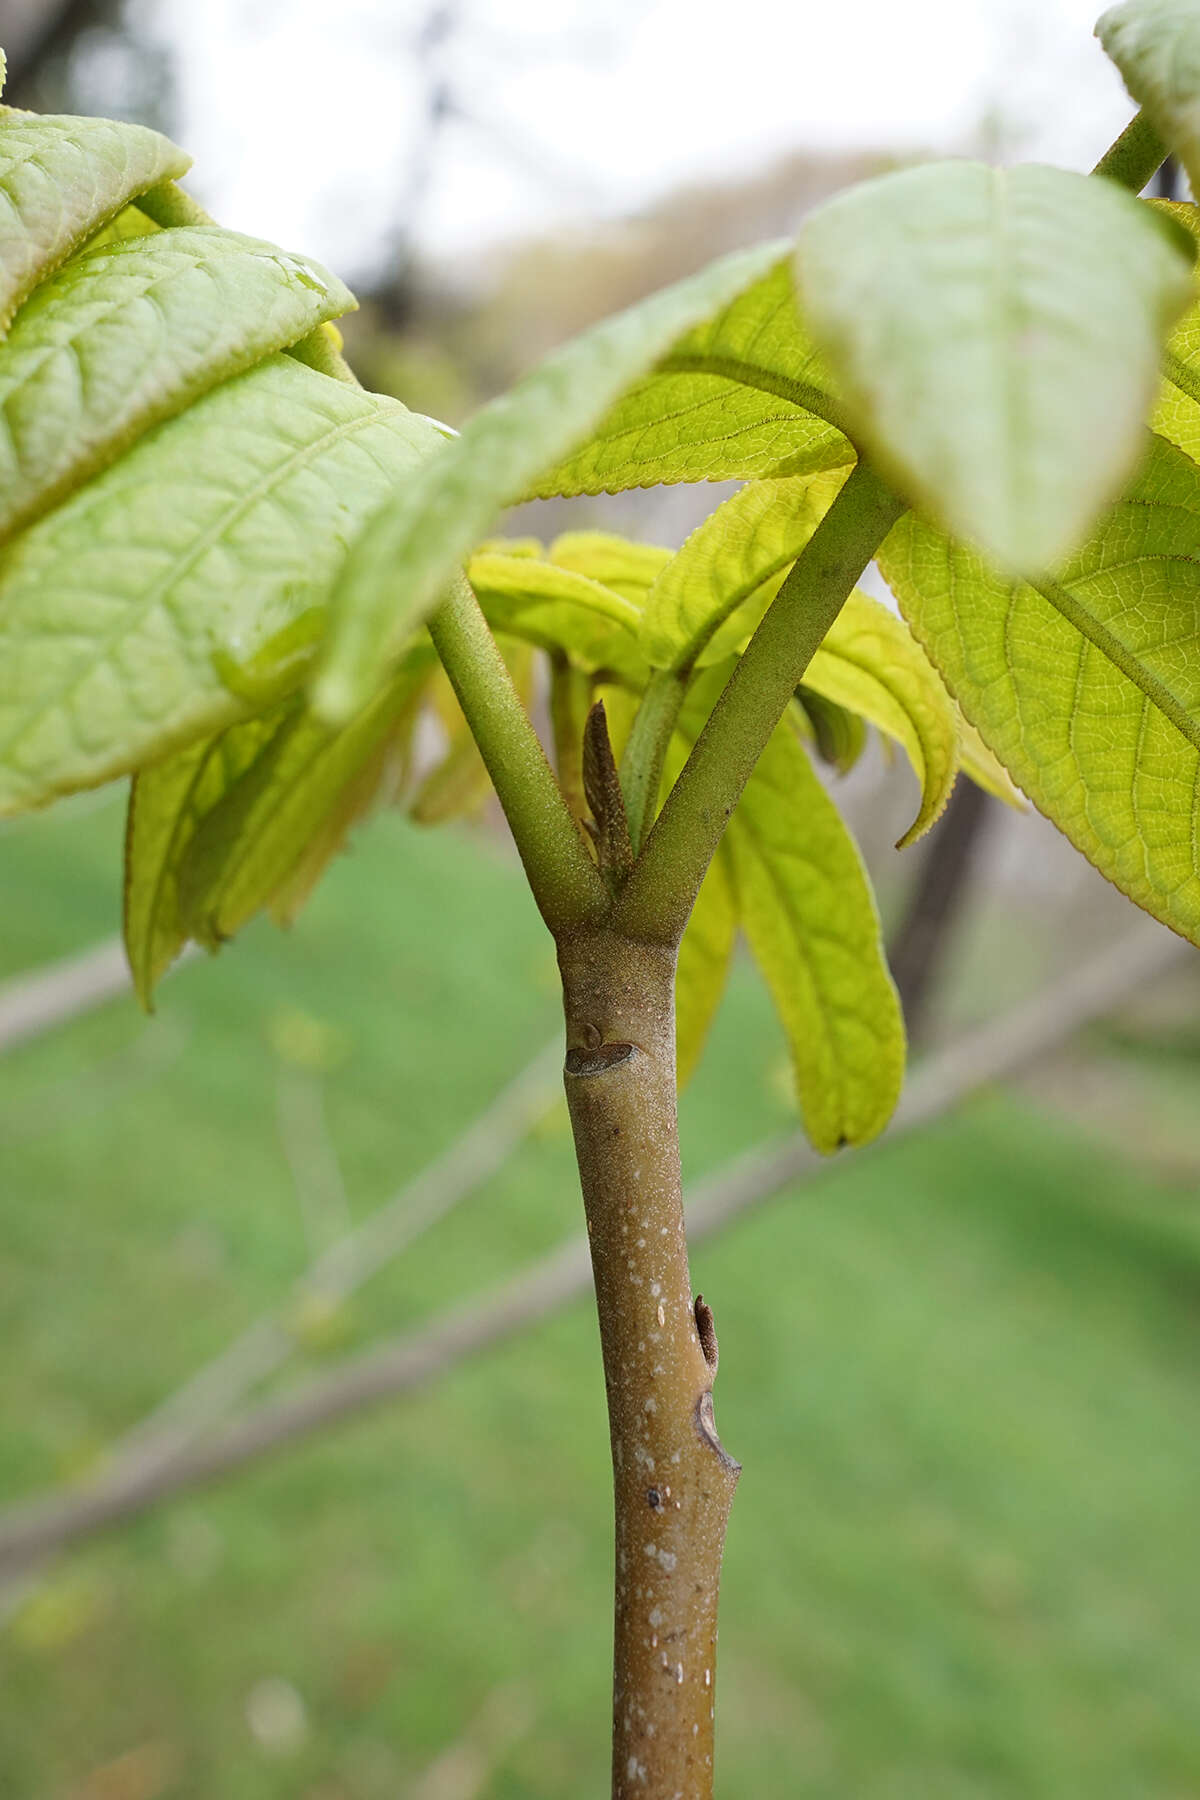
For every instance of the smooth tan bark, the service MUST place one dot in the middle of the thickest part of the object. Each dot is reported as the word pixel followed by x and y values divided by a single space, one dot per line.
pixel 673 1483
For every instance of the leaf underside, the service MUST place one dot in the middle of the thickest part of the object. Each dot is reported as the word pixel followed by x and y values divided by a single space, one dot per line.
pixel 996 334
pixel 1086 688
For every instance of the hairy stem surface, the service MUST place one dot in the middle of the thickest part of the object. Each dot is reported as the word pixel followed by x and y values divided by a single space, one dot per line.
pixel 558 864
pixel 1135 156
pixel 672 1481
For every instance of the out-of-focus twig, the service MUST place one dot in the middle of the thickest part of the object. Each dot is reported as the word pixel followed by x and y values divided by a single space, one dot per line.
pixel 988 1053
pixel 34 1003
pixel 917 952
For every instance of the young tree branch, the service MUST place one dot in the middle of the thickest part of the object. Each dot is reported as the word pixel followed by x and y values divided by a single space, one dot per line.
pixel 657 899
pixel 565 881
pixel 1135 156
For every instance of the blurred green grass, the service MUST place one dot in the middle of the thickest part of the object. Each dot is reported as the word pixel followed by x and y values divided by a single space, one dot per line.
pixel 962 1375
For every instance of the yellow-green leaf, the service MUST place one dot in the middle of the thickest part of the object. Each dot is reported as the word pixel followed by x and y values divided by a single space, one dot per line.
pixel 248 845
pixel 806 908
pixel 558 609
pixel 741 396
pixel 755 535
pixel 1088 688
pixel 627 568
pixel 870 662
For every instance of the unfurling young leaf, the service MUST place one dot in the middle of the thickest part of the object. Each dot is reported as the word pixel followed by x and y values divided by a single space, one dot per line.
pixel 248 820
pixel 806 908
pixel 839 736
pixel 996 335
pixel 1087 688
pixel 870 662
pixel 166 806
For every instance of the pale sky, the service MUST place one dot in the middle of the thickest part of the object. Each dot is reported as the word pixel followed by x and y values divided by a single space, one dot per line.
pixel 302 115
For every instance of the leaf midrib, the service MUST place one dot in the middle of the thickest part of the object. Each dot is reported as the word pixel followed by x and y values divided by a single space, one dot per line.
pixel 802 394
pixel 1125 660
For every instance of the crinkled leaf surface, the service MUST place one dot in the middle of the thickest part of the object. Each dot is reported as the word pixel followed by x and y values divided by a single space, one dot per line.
pixel 401 562
pixel 61 179
pixel 741 396
pixel 129 334
pixel 996 334
pixel 870 662
pixel 756 534
pixel 807 910
pixel 1156 46
pixel 129 617
pixel 1088 688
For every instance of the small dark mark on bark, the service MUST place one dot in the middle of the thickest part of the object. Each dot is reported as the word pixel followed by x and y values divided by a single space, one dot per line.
pixel 596 1061
pixel 706 1330
pixel 653 1498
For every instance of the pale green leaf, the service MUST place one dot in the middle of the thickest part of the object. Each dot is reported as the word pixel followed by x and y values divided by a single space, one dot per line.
pixel 705 954
pixel 870 662
pixel 154 605
pixel 996 334
pixel 755 535
pixel 507 584
pixel 1156 46
pixel 61 179
pixel 559 610
pixel 739 397
pixel 808 913
pixel 166 805
pixel 1177 414
pixel 400 564
pixel 247 846
pixel 1088 688
pixel 627 568
pixel 130 334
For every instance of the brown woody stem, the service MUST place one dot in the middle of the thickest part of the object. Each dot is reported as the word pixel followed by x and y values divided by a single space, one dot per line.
pixel 673 1483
